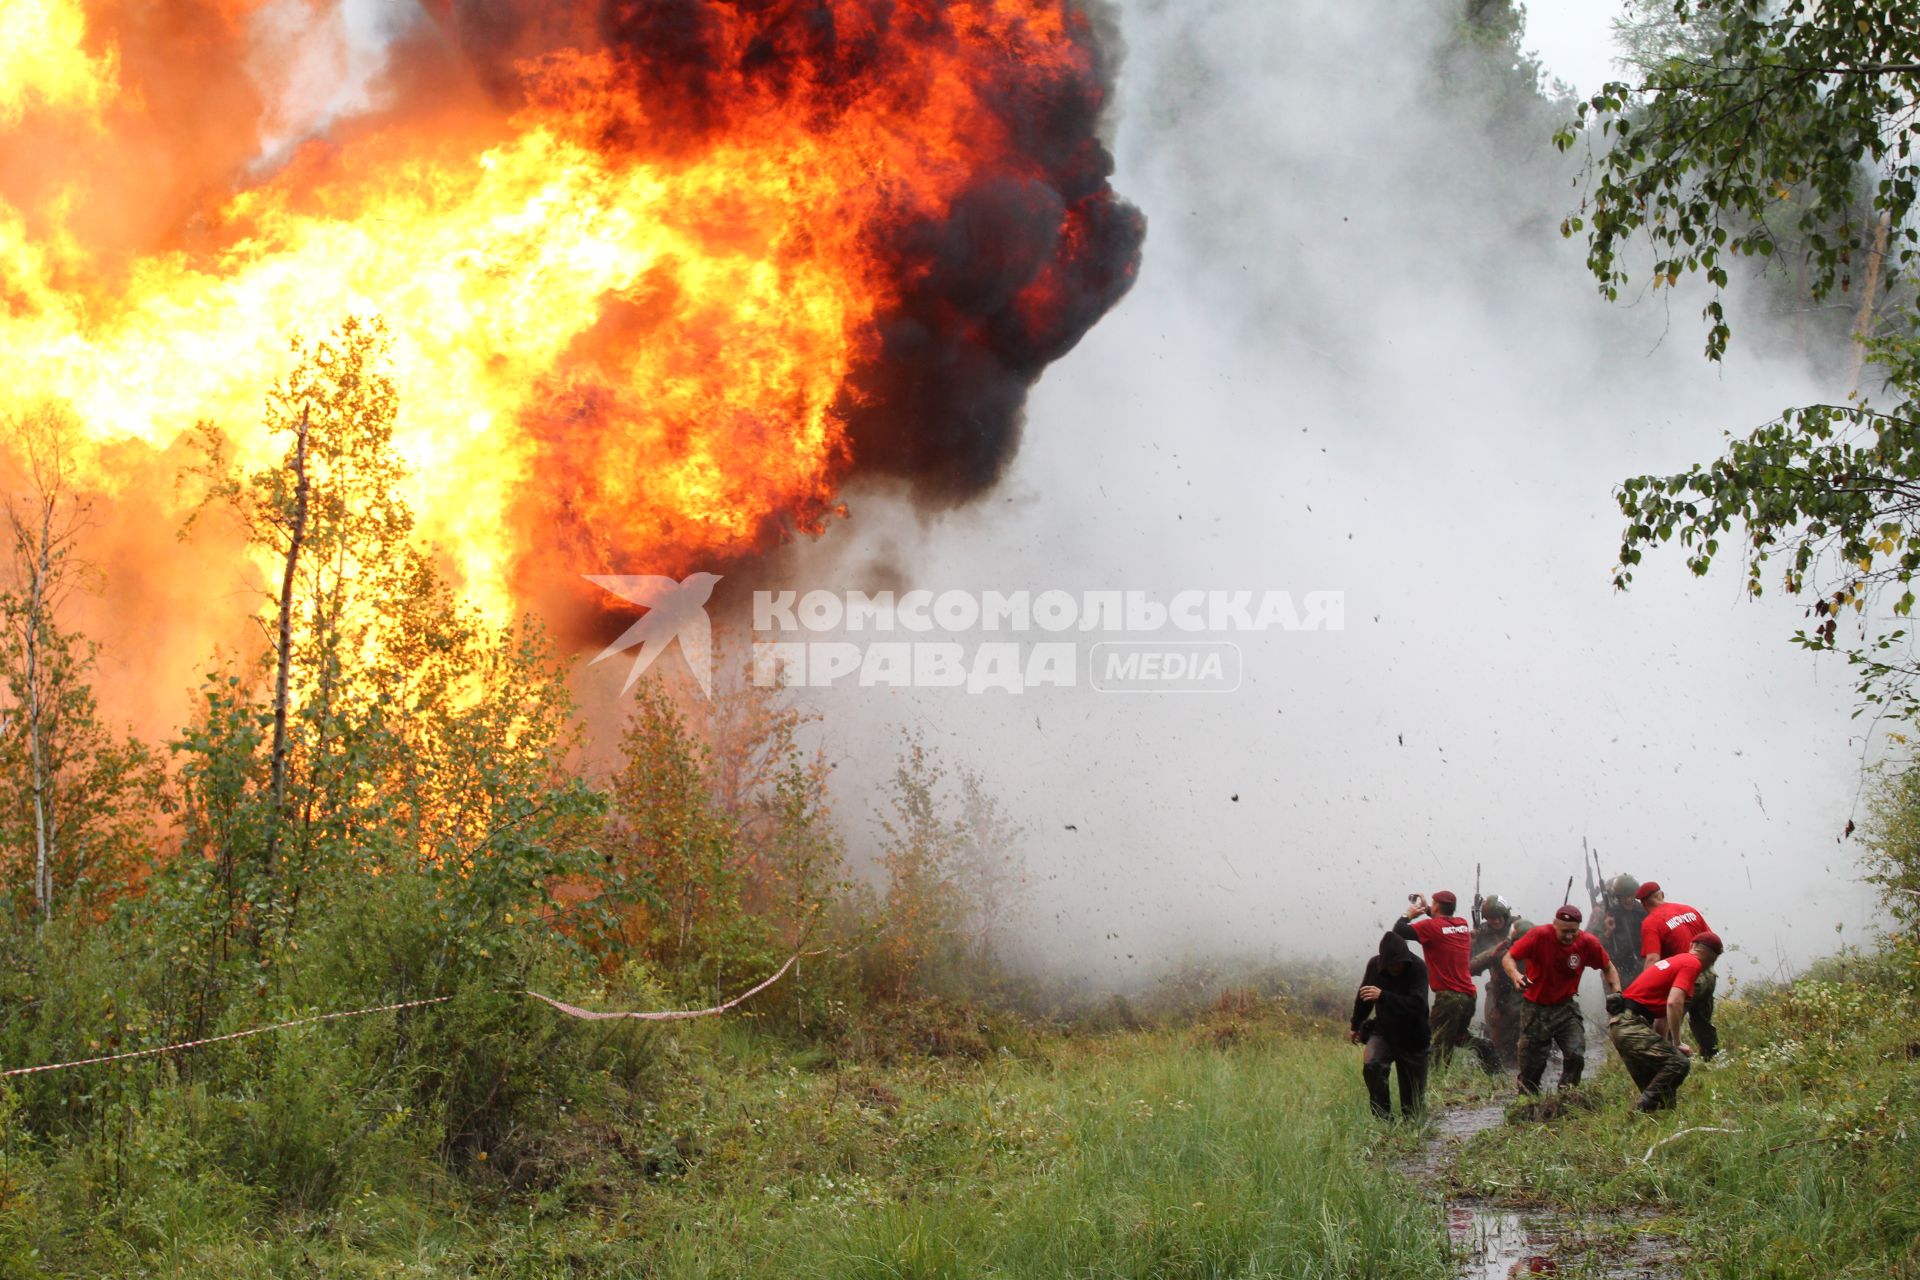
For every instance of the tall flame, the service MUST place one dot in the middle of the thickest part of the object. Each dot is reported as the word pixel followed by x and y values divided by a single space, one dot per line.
pixel 662 274
pixel 43 62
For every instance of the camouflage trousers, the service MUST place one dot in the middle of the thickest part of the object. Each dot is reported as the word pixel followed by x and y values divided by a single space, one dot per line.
pixel 1657 1067
pixel 1700 1016
pixel 1542 1026
pixel 1504 1011
pixel 1452 1023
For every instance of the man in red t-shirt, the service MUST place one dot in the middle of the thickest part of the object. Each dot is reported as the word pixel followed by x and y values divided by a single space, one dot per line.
pixel 1555 957
pixel 1669 930
pixel 1645 1021
pixel 1447 943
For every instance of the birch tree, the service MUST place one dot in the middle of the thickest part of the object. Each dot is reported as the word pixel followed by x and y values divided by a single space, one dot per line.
pixel 76 800
pixel 1775 131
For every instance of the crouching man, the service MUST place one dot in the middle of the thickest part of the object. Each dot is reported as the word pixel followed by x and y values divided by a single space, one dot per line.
pixel 1646 1020
pixel 1390 1019
pixel 1555 955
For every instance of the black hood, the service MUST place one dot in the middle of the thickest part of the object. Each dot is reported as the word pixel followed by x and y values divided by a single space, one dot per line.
pixel 1393 949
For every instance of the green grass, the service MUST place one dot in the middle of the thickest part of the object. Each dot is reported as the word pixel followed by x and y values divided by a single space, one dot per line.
pixel 1145 1156
pixel 1805 1155
pixel 1237 1148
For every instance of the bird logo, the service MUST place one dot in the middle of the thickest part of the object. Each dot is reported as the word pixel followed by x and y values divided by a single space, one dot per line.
pixel 674 611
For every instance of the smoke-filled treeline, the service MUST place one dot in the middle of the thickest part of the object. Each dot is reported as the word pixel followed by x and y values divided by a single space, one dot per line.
pixel 385 800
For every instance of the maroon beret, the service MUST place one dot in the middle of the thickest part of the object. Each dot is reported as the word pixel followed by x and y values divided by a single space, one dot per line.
pixel 1568 912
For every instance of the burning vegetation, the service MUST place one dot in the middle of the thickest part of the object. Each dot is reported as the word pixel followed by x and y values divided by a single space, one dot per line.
pixel 587 288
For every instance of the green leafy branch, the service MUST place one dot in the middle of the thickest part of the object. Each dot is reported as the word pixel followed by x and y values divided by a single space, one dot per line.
pixel 1800 117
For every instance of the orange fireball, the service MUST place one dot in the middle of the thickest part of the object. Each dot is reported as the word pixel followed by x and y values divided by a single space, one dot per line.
pixel 661 273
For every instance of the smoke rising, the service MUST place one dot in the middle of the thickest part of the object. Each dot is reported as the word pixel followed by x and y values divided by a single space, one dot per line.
pixel 982 290
pixel 1360 357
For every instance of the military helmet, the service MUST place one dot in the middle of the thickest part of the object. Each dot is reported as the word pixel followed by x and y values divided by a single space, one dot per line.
pixel 1521 928
pixel 1495 905
pixel 1624 886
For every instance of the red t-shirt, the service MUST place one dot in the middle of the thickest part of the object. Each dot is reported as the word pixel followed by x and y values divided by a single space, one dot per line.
pixel 1675 973
pixel 1555 969
pixel 1670 929
pixel 1447 943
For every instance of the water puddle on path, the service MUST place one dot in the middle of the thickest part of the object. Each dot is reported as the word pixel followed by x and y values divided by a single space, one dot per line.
pixel 1497 1242
pixel 1451 1128
pixel 1490 1241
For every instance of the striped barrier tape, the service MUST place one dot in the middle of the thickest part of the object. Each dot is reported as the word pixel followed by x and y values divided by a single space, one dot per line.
pixel 574 1011
pixel 231 1035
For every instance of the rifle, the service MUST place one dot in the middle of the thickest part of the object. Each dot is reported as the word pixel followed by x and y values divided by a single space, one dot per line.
pixel 1589 864
pixel 1476 897
pixel 1568 897
pixel 1598 891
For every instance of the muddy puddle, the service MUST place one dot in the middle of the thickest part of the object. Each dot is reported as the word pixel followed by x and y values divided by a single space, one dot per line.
pixel 1491 1240
pixel 1494 1241
pixel 1451 1128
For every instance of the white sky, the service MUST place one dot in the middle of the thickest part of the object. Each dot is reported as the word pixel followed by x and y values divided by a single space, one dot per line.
pixel 1574 39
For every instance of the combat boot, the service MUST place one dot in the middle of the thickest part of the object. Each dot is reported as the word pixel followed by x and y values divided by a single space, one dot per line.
pixel 1649 1101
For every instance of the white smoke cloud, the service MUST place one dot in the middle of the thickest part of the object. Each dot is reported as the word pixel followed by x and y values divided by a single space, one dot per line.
pixel 1359 357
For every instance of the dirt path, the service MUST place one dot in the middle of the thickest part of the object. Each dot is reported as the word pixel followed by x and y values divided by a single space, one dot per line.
pixel 1491 1239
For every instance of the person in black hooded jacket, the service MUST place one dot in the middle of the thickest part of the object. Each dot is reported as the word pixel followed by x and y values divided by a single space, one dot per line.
pixel 1390 1019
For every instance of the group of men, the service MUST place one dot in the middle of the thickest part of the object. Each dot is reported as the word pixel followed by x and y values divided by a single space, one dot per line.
pixel 1655 957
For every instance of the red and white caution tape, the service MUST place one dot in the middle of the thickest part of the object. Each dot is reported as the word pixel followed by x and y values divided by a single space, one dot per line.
pixel 231 1035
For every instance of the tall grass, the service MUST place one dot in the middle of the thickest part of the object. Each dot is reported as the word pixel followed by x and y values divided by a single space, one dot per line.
pixel 1146 1156
pixel 1804 1155
pixel 1170 1153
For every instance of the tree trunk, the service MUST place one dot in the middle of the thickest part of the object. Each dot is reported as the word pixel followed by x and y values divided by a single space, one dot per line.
pixel 282 675
pixel 42 549
pixel 1863 322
